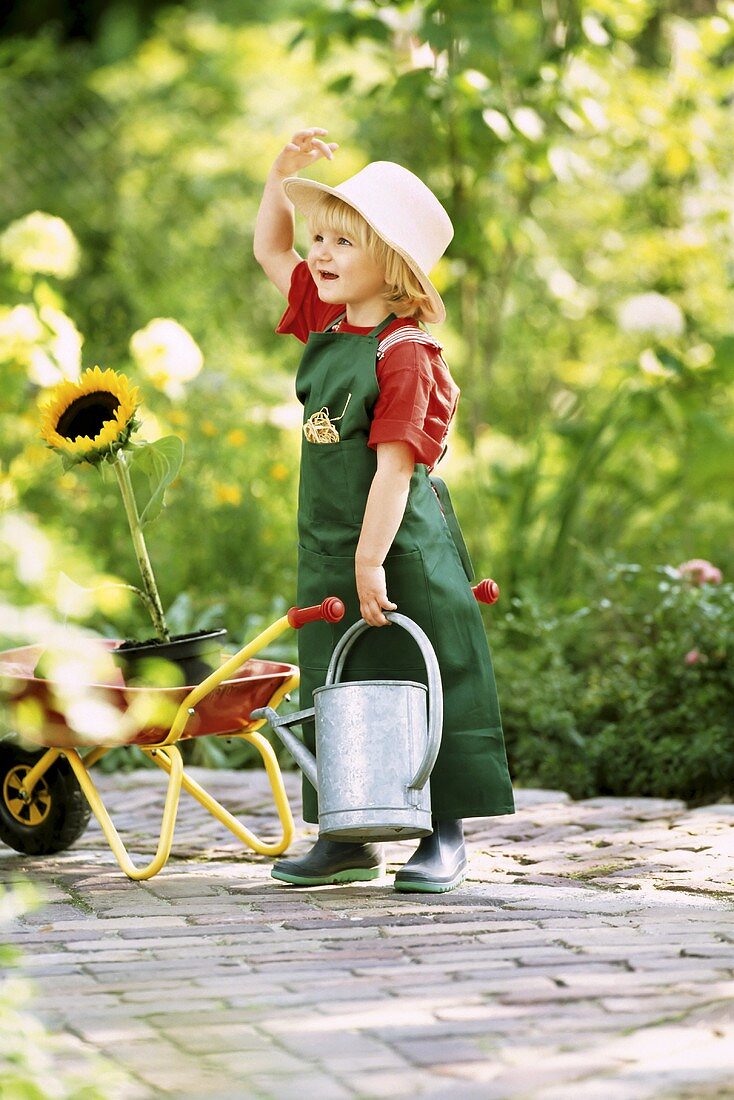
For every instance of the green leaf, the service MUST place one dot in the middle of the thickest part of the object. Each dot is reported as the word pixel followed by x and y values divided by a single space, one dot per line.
pixel 152 469
pixel 341 83
pixel 180 615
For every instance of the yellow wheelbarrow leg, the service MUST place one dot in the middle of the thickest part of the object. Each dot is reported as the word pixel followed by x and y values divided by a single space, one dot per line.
pixel 91 758
pixel 218 811
pixel 113 837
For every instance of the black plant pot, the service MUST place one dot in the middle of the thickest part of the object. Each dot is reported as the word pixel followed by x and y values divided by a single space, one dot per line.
pixel 197 655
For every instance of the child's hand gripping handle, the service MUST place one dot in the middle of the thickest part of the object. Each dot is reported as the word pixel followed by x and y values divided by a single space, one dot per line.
pixel 487 591
pixel 331 610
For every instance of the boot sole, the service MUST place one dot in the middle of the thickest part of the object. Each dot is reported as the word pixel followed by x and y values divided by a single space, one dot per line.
pixel 425 886
pixel 351 874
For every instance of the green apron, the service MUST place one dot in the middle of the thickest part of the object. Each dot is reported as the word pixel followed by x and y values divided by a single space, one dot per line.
pixel 426 578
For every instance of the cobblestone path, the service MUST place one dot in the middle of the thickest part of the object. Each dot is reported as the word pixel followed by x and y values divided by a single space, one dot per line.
pixel 590 954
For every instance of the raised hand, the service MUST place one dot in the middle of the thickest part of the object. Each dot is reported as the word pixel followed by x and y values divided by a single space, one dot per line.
pixel 304 148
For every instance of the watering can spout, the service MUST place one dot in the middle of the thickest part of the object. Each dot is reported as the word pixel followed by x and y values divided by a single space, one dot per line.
pixel 303 757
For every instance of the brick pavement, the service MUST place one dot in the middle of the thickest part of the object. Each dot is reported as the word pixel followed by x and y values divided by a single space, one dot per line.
pixel 590 954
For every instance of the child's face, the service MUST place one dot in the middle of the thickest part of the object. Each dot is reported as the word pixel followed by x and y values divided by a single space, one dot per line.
pixel 344 272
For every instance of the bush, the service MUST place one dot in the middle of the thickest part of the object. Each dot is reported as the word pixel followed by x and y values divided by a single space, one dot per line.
pixel 629 695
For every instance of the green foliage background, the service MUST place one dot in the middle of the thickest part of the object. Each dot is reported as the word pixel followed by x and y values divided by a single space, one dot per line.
pixel 585 161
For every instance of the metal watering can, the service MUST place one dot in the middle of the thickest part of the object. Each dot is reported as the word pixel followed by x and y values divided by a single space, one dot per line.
pixel 376 745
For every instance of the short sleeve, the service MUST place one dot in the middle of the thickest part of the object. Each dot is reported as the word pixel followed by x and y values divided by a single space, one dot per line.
pixel 305 312
pixel 417 401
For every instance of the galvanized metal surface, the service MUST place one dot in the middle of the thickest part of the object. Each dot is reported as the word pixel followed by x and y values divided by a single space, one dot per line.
pixel 376 744
pixel 371 737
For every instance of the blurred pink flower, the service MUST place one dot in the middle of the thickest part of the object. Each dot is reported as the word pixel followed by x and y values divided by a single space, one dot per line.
pixel 700 571
pixel 692 657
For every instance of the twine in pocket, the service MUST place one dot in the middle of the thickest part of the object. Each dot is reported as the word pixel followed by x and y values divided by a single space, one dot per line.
pixel 319 428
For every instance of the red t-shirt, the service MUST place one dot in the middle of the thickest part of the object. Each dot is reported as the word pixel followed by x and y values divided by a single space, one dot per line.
pixel 418 396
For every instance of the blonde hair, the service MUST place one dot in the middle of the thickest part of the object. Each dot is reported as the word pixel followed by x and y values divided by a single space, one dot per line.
pixel 404 292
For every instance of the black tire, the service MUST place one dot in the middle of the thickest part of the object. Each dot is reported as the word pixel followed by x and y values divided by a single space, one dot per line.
pixel 57 813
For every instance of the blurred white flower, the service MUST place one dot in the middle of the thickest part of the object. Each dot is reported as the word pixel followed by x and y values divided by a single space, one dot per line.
pixel 651 365
pixel 498 123
pixel 567 165
pixel 528 122
pixel 634 177
pixel 595 113
pixel 573 120
pixel 406 19
pixel 46 342
pixel 477 80
pixel 700 355
pixel 60 358
pixel 75 661
pixel 594 30
pixel 80 671
pixel 652 314
pixel 73 599
pixel 94 720
pixel 25 547
pixel 422 56
pixel 561 283
pixel 40 244
pixel 28 624
pixel 576 300
pixel 167 355
pixel 18 327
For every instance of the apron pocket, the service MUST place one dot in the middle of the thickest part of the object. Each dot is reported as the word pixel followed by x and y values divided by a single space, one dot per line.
pixel 407 586
pixel 324 494
pixel 389 651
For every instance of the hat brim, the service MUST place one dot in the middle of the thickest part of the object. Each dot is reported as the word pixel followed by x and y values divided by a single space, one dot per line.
pixel 305 194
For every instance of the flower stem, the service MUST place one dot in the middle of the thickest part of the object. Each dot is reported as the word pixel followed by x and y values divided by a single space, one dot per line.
pixel 153 600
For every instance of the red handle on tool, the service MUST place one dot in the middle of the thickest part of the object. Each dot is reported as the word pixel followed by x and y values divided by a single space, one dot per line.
pixel 331 610
pixel 487 591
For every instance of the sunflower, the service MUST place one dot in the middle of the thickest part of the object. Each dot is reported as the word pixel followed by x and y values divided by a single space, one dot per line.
pixel 92 419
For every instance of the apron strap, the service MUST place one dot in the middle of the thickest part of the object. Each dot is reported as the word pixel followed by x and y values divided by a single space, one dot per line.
pixel 382 325
pixel 441 490
pixel 336 321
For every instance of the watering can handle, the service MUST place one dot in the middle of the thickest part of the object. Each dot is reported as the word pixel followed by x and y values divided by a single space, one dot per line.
pixel 435 691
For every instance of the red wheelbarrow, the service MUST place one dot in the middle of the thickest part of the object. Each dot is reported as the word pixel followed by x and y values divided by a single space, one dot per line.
pixel 48 796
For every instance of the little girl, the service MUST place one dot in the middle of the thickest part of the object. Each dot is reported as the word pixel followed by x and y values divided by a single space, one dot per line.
pixel 378 400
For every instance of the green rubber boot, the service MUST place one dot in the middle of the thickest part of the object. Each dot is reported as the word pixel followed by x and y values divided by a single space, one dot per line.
pixel 438 863
pixel 330 862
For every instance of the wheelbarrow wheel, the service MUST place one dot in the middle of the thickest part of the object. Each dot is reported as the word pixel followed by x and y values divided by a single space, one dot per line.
pixel 56 814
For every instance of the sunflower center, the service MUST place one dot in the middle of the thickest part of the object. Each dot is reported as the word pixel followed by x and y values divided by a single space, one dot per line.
pixel 87 415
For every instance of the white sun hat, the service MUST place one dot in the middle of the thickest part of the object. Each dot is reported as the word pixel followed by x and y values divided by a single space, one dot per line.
pixel 401 210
